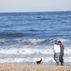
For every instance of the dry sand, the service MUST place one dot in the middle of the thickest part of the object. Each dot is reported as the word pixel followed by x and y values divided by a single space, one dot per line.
pixel 32 67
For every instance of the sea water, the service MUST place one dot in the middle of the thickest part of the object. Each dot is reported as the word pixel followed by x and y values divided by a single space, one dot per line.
pixel 28 37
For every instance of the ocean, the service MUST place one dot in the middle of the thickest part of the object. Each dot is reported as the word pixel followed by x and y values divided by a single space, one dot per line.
pixel 28 37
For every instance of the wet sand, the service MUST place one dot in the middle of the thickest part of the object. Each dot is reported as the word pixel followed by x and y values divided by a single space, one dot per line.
pixel 32 67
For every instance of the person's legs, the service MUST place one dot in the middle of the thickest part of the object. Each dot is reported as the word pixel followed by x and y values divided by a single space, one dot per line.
pixel 56 58
pixel 62 62
pixel 61 59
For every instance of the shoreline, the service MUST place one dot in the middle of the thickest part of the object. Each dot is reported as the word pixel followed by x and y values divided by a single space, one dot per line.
pixel 33 67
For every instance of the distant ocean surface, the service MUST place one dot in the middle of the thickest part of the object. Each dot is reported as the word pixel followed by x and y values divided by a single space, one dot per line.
pixel 27 37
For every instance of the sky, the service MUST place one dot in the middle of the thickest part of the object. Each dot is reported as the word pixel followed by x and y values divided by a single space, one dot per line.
pixel 34 5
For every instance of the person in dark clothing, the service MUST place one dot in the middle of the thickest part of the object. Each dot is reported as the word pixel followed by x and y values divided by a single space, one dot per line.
pixel 61 52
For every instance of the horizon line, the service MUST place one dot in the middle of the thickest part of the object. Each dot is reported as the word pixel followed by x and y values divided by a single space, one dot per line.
pixel 33 11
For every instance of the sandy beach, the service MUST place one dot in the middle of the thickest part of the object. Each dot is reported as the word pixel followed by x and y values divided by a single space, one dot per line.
pixel 32 67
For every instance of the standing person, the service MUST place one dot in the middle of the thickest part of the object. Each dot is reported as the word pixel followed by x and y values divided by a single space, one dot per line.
pixel 61 52
pixel 56 49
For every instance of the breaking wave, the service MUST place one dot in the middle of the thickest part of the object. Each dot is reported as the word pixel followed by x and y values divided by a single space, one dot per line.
pixel 26 41
pixel 31 41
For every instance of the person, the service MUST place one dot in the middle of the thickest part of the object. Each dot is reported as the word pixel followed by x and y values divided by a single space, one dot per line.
pixel 61 52
pixel 56 49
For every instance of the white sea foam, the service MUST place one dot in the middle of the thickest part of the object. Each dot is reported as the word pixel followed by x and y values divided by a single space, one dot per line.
pixel 28 59
pixel 31 51
pixel 32 60
pixel 25 51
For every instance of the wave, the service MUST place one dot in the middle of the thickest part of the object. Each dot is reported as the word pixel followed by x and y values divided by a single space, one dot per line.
pixel 28 51
pixel 28 55
pixel 24 60
pixel 25 41
pixel 25 51
pixel 45 19
pixel 67 61
pixel 31 41
pixel 11 34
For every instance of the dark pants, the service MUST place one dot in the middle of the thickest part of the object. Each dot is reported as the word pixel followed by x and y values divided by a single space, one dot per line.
pixel 61 58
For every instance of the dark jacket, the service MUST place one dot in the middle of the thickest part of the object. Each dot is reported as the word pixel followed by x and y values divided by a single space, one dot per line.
pixel 61 49
pixel 61 53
